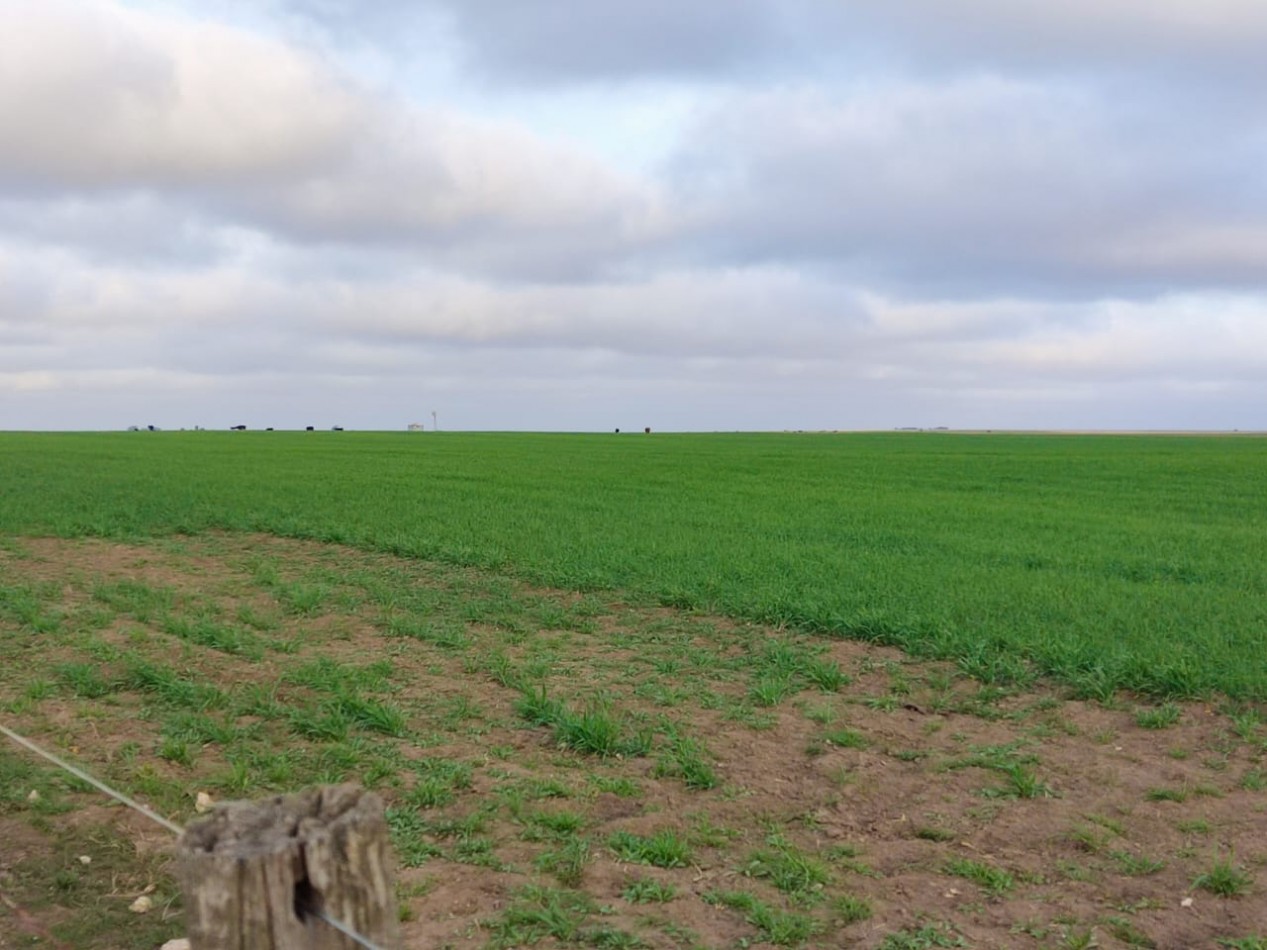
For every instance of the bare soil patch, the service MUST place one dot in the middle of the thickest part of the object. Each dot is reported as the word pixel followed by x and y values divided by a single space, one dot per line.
pixel 893 803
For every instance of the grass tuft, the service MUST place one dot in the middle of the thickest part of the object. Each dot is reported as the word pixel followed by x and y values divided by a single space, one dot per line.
pixel 664 849
pixel 995 880
pixel 685 759
pixel 779 927
pixel 644 890
pixel 796 874
pixel 1158 717
pixel 1224 878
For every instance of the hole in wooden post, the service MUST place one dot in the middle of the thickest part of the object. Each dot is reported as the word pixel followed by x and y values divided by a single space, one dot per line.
pixel 307 900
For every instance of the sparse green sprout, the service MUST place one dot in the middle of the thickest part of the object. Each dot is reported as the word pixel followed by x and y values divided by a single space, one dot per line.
pixel 826 674
pixel 772 690
pixel 596 731
pixel 430 792
pixel 176 751
pixel 644 890
pixel 1136 865
pixel 1089 839
pixel 371 714
pixel 299 599
pixel 540 912
pixel 685 759
pixel 408 833
pixel 1224 878
pixel 1158 717
pixel 995 880
pixel 798 875
pixel 84 680
pixel 882 703
pixel 536 706
pixel 1246 724
pixel 567 862
pixel 849 909
pixel 846 739
pixel 616 785
pixel 1020 781
pixel 1126 931
pixel 664 849
pixel 924 938
pixel 820 714
pixel 779 927
pixel 554 824
pixel 500 667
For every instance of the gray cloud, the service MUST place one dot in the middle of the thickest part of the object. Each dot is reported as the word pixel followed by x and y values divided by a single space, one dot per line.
pixel 1215 40
pixel 124 227
pixel 555 41
pixel 558 41
pixel 972 214
pixel 979 186
pixel 551 41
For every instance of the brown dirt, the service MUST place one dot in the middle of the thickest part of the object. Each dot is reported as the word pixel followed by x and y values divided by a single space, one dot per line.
pixel 886 819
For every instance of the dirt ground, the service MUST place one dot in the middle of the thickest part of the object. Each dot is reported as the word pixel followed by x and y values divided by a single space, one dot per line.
pixel 904 806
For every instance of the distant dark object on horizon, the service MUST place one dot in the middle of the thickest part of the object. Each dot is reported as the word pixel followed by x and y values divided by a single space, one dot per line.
pixel 336 428
pixel 237 428
pixel 269 429
pixel 647 430
pixel 618 432
pixel 309 428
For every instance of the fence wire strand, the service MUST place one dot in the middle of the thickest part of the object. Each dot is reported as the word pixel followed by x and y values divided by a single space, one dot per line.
pixel 100 786
pixel 159 819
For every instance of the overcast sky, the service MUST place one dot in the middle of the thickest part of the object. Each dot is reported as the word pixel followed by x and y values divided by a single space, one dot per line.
pixel 590 214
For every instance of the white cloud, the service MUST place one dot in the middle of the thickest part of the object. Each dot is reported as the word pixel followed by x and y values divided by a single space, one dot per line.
pixel 555 42
pixel 243 130
pixel 94 94
pixel 982 184
pixel 970 213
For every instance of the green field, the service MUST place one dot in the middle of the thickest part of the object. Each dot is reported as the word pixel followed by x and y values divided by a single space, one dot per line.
pixel 1106 562
pixel 521 644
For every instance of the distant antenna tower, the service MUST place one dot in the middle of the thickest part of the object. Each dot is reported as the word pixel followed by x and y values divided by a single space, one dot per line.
pixel 435 426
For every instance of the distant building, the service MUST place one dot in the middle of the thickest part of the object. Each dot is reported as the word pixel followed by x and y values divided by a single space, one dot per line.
pixel 415 427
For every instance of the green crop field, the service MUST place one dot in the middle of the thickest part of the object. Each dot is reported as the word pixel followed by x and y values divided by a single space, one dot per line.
pixel 612 691
pixel 1105 562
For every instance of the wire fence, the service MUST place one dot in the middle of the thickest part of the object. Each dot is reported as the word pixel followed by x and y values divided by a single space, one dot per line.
pixel 155 817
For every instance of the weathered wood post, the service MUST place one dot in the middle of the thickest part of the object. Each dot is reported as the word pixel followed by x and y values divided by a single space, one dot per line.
pixel 259 875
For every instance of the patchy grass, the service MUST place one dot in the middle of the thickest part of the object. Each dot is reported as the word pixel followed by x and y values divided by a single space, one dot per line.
pixel 569 768
pixel 793 872
pixel 1107 563
pixel 1224 878
pixel 994 880
pixel 781 928
pixel 664 849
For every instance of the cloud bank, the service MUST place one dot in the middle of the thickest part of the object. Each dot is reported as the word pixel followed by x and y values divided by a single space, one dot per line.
pixel 860 216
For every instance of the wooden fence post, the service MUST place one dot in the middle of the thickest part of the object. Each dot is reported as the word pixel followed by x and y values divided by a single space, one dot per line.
pixel 256 874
